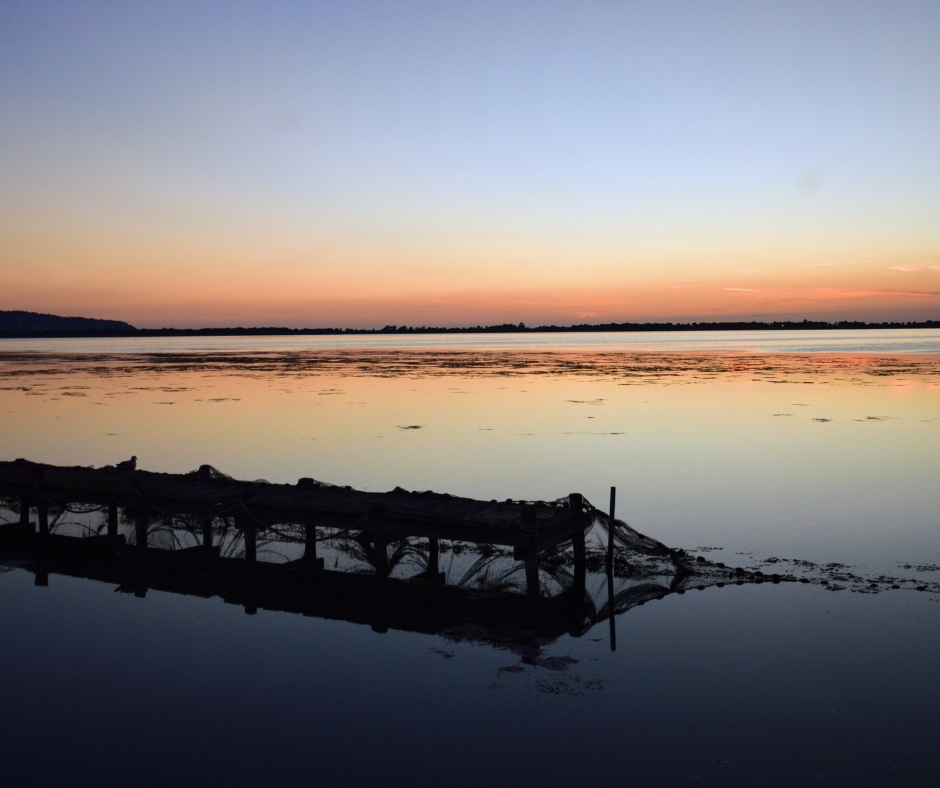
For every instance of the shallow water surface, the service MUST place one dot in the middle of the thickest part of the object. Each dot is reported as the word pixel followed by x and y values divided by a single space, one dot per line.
pixel 748 451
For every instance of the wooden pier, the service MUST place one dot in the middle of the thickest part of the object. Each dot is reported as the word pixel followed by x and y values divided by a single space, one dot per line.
pixel 133 511
pixel 529 528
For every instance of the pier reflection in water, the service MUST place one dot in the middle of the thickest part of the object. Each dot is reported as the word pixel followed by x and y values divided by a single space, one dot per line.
pixel 544 569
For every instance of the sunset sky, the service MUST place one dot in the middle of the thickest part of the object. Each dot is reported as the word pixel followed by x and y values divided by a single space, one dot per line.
pixel 358 164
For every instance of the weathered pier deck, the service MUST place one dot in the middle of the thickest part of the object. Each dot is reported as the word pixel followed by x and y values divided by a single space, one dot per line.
pixel 530 528
pixel 199 534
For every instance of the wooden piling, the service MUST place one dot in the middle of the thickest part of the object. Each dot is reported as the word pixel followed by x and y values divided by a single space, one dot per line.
pixel 434 553
pixel 24 511
pixel 310 543
pixel 610 530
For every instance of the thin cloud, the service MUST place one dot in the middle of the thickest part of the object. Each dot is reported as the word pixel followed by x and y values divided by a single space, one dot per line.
pixel 831 265
pixel 831 294
pixel 904 268
pixel 741 290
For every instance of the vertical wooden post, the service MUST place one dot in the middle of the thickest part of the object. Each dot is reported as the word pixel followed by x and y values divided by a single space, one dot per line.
pixel 610 530
pixel 529 525
pixel 207 533
pixel 43 512
pixel 310 543
pixel 24 511
pixel 434 555
pixel 112 522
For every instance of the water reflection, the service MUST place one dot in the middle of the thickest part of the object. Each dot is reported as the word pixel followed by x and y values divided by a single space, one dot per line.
pixel 396 561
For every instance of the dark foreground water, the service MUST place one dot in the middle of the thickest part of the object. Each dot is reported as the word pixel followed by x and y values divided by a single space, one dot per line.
pixel 775 685
pixel 745 458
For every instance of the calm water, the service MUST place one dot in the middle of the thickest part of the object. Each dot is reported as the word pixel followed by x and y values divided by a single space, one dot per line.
pixel 747 446
pixel 887 341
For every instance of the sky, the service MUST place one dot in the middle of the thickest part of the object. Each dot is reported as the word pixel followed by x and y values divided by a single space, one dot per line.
pixel 363 164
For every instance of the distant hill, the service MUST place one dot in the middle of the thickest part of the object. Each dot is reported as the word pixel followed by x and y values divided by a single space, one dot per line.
pixel 33 322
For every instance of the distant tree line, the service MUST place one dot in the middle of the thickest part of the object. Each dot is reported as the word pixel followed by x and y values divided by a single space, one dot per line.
pixel 31 324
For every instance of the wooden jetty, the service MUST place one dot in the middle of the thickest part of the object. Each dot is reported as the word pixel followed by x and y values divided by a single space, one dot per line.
pixel 529 528
pixel 210 509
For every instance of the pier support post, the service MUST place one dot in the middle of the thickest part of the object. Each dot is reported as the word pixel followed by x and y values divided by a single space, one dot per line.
pixel 113 522
pixel 310 543
pixel 207 533
pixel 580 561
pixel 380 546
pixel 24 511
pixel 610 530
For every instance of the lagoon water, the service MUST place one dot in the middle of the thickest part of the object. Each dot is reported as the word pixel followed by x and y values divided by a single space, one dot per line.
pixel 750 448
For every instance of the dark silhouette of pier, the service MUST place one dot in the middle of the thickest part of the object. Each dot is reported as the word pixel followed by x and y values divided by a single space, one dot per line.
pixel 524 575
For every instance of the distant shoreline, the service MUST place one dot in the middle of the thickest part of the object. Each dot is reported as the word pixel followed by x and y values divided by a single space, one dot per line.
pixel 507 328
